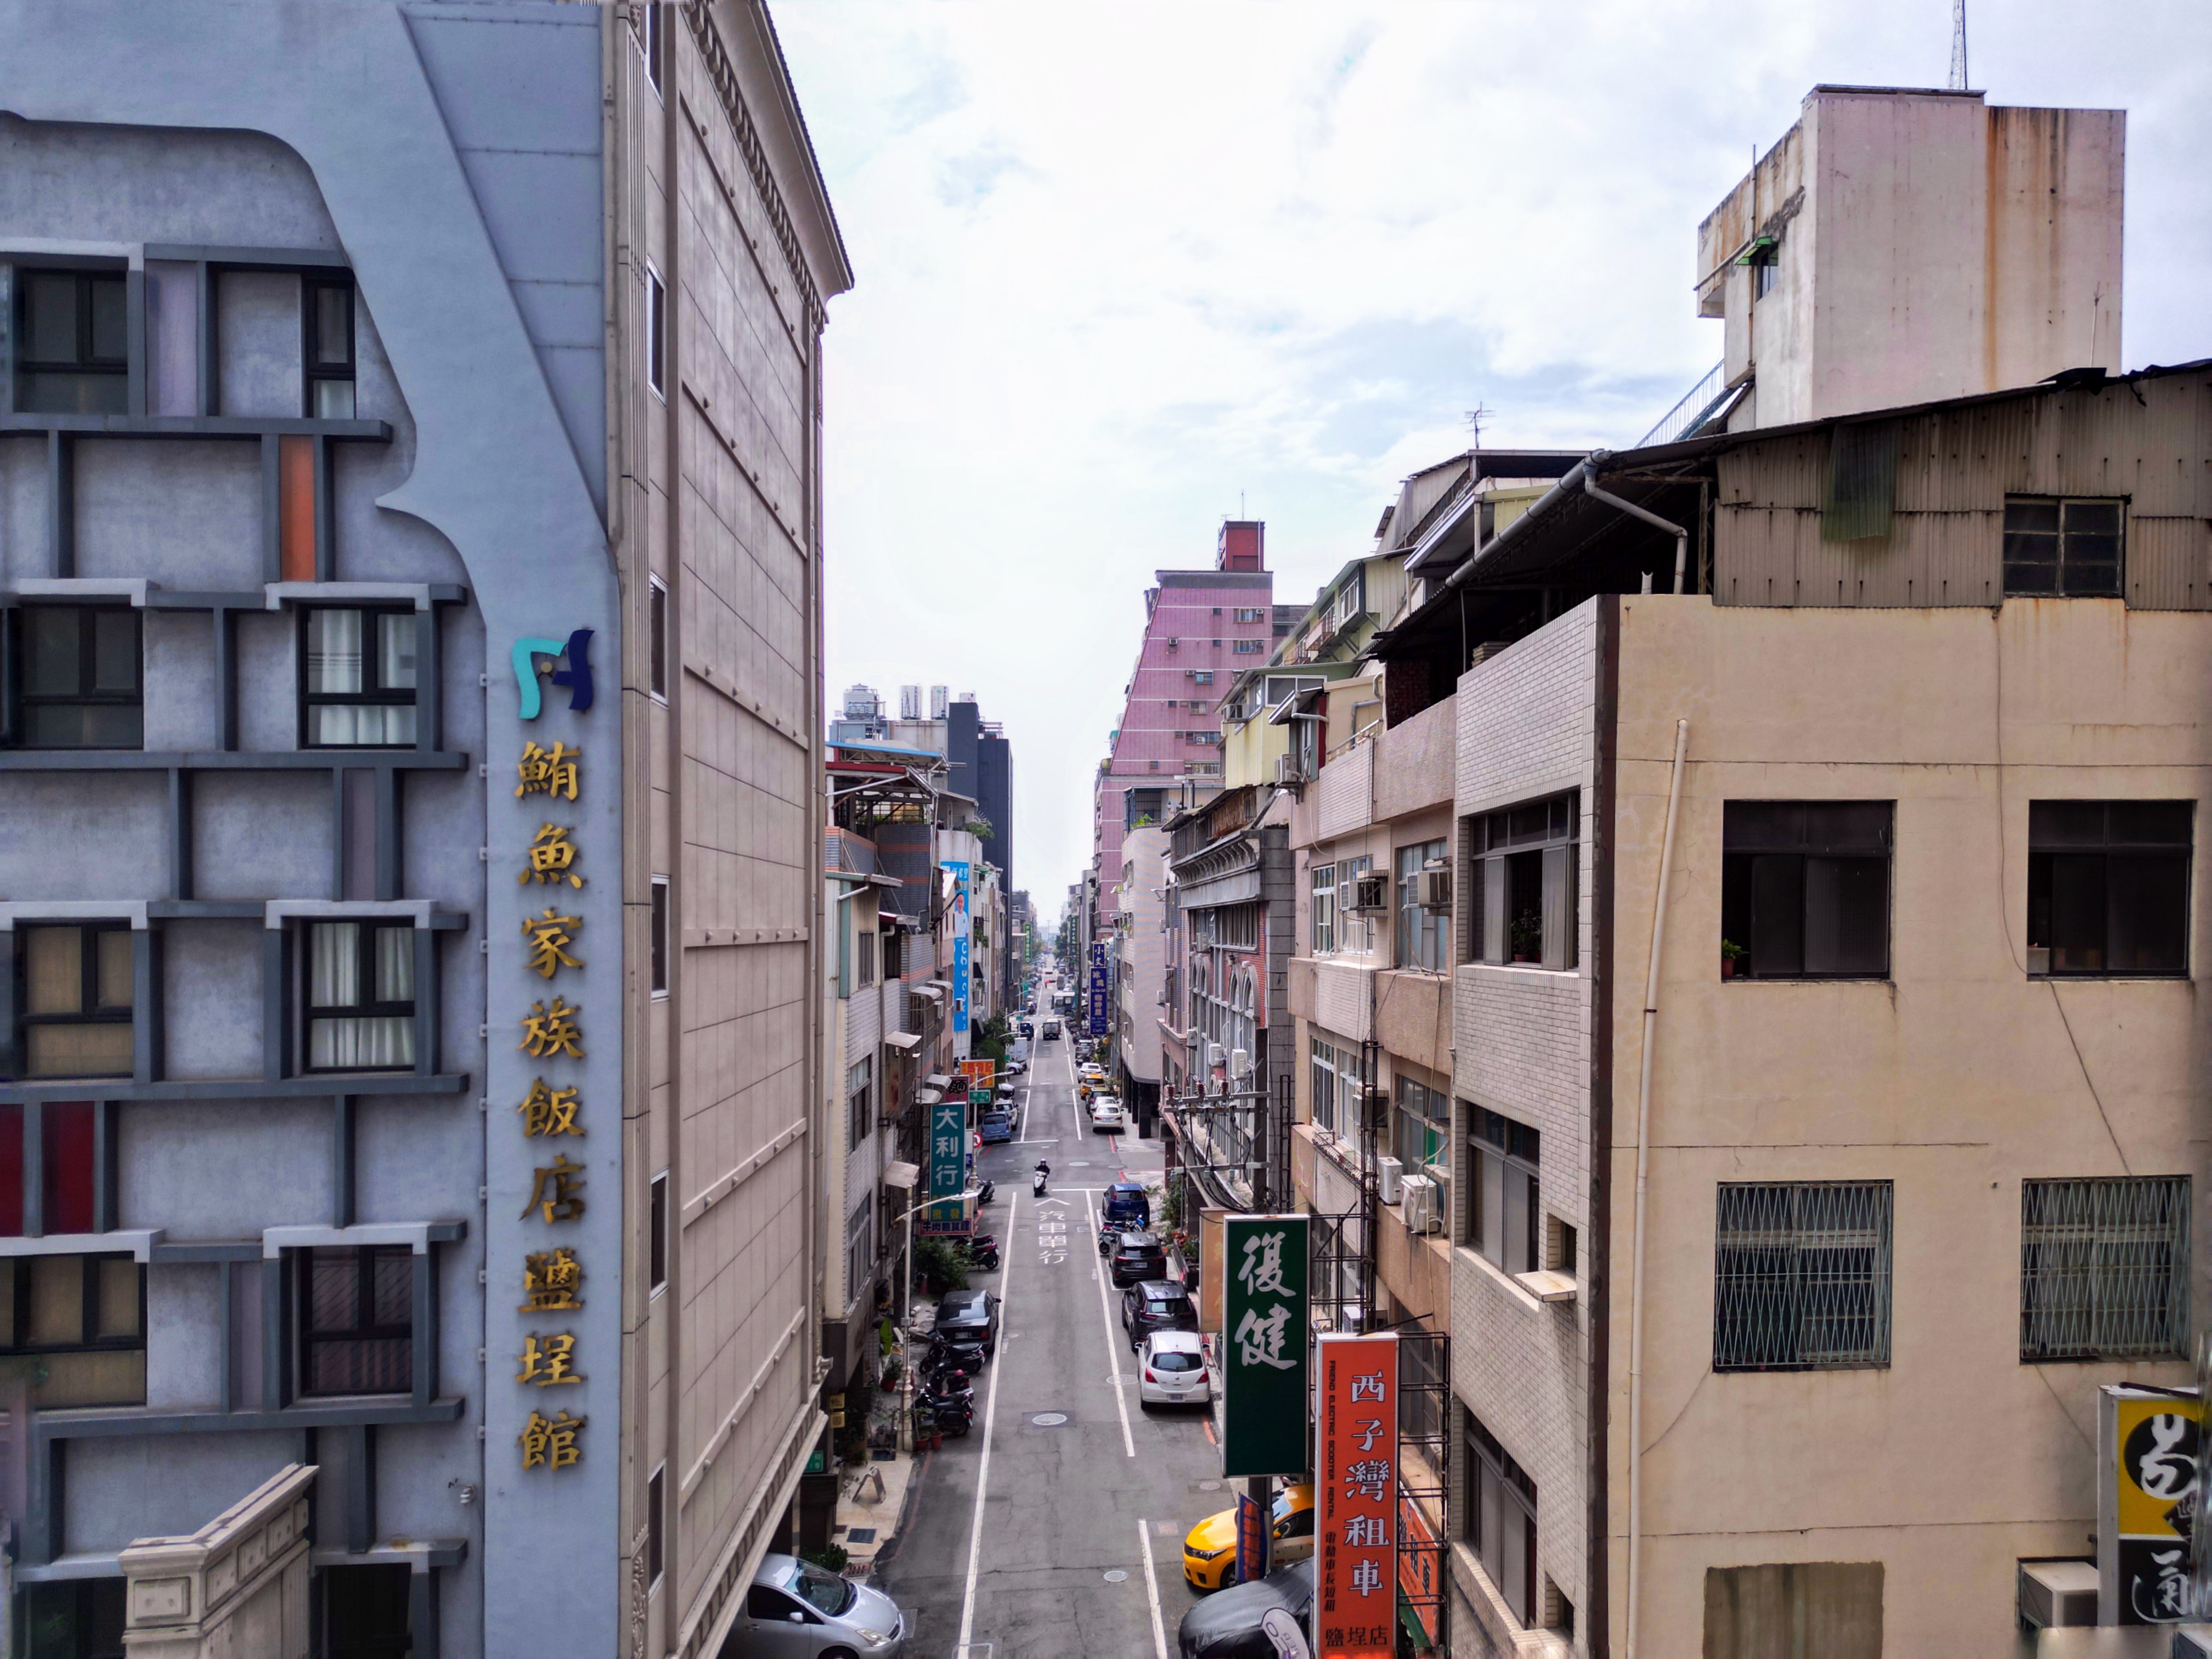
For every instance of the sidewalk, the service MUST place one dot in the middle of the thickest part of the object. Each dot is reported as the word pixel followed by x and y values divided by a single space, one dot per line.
pixel 871 1503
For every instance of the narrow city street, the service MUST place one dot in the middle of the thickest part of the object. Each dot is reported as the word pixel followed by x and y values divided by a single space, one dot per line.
pixel 1056 1527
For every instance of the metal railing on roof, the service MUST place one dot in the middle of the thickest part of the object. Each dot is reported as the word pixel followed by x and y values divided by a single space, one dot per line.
pixel 1684 418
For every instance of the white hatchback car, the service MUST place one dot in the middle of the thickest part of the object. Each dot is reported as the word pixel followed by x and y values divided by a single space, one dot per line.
pixel 1171 1369
pixel 1107 1114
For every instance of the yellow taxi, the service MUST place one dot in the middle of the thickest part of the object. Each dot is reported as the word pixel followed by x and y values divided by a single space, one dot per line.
pixel 1209 1551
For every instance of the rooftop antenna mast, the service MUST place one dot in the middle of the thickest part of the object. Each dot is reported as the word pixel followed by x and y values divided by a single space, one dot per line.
pixel 1957 45
pixel 1475 417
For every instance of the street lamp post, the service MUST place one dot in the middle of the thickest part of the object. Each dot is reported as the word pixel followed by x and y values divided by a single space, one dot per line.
pixel 906 1312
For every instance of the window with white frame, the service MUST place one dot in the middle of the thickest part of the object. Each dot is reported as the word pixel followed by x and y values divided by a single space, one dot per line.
pixel 1420 932
pixel 1423 1124
pixel 1322 1064
pixel 1322 910
pixel 2103 1268
pixel 1355 930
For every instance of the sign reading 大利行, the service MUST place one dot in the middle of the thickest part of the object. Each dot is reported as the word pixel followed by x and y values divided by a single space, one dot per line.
pixel 948 1165
pixel 1263 1345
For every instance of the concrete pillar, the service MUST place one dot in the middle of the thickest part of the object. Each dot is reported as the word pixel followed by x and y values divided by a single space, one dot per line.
pixel 239 1585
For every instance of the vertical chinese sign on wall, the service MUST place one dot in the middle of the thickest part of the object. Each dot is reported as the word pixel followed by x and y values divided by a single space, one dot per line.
pixel 1263 1355
pixel 960 871
pixel 1096 1012
pixel 1356 1497
pixel 2147 1499
pixel 948 1165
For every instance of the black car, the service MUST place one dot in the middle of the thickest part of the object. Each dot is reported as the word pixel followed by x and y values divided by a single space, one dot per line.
pixel 1227 1626
pixel 1027 1028
pixel 1156 1305
pixel 1137 1258
pixel 972 1316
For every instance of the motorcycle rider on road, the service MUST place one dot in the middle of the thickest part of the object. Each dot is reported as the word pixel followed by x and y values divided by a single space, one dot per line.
pixel 1043 1174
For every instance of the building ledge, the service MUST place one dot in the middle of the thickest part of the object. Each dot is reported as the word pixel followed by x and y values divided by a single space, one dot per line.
pixel 1509 1282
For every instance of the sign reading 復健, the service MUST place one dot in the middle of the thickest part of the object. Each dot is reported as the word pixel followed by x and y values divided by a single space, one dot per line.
pixel 1263 1345
pixel 1356 1498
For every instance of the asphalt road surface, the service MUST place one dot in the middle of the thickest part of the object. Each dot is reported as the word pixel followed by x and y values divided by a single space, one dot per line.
pixel 1035 1538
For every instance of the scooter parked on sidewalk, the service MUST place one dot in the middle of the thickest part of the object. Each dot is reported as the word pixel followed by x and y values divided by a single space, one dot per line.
pixel 952 1414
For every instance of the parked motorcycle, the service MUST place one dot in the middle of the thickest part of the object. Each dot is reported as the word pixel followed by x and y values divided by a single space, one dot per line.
pixel 983 1258
pixel 967 1356
pixel 985 1193
pixel 952 1414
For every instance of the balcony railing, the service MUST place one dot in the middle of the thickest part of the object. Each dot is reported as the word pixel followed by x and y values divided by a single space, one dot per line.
pixel 1686 415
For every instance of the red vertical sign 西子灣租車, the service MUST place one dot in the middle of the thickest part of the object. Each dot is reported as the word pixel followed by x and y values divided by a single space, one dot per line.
pixel 1356 1498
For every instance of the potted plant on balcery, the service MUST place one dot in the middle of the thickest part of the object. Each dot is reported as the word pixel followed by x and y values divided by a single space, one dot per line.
pixel 1731 955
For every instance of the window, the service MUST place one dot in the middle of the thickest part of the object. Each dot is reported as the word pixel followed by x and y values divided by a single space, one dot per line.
pixel 361 996
pixel 2062 548
pixel 1501 1190
pixel 656 331
pixel 656 604
pixel 1522 878
pixel 327 317
pixel 1560 1252
pixel 68 1143
pixel 859 1092
pixel 79 678
pixel 357 1320
pixel 2103 1268
pixel 76 990
pixel 657 1223
pixel 658 925
pixel 1802 1276
pixel 2108 887
pixel 655 1488
pixel 84 1318
pixel 1322 1062
pixel 1248 647
pixel 864 958
pixel 1805 888
pixel 1201 676
pixel 1355 930
pixel 1201 736
pixel 1763 273
pixel 73 344
pixel 650 42
pixel 1249 614
pixel 1420 932
pixel 1501 1519
pixel 1348 600
pixel 1423 1123
pixel 359 692
pixel 860 1246
pixel 1322 911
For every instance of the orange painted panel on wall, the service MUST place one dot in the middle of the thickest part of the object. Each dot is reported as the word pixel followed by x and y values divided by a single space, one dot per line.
pixel 295 508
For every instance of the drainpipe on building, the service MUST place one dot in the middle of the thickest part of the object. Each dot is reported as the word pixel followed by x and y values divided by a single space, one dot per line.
pixel 1643 1159
pixel 1681 536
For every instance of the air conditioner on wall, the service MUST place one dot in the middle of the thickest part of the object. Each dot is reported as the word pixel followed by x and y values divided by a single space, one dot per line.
pixel 1389 1179
pixel 1240 1063
pixel 1432 890
pixel 1420 1203
pixel 1287 770
pixel 1368 892
pixel 1215 1056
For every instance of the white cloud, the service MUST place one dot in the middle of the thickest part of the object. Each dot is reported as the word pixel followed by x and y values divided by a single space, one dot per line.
pixel 1120 266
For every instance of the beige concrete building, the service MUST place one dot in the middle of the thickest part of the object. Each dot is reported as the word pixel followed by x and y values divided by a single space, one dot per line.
pixel 1897 246
pixel 1925 1111
pixel 724 253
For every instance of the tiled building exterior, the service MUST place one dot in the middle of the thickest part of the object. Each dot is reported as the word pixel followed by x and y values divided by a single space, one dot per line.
pixel 393 388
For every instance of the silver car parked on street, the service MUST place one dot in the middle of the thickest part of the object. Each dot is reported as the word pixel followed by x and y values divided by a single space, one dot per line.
pixel 795 1610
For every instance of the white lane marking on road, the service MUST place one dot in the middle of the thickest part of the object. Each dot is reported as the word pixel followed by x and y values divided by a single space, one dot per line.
pixel 1152 1591
pixel 990 1420
pixel 1106 1316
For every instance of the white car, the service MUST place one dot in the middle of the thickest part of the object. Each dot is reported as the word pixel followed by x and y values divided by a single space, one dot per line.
pixel 1171 1370
pixel 1107 1116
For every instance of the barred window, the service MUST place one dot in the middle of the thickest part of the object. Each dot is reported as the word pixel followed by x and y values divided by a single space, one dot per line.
pixel 2103 1268
pixel 1802 1276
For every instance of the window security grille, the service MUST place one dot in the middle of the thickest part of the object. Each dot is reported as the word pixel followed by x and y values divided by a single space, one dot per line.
pixel 1802 1276
pixel 2103 1268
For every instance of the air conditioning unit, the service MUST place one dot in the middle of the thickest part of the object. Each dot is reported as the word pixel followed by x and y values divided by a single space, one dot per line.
pixel 1215 1056
pixel 1287 770
pixel 1432 890
pixel 1420 1201
pixel 1389 1179
pixel 1240 1063
pixel 2059 1595
pixel 1368 892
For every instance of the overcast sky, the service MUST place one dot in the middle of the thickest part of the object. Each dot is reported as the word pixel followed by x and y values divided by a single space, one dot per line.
pixel 1122 268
